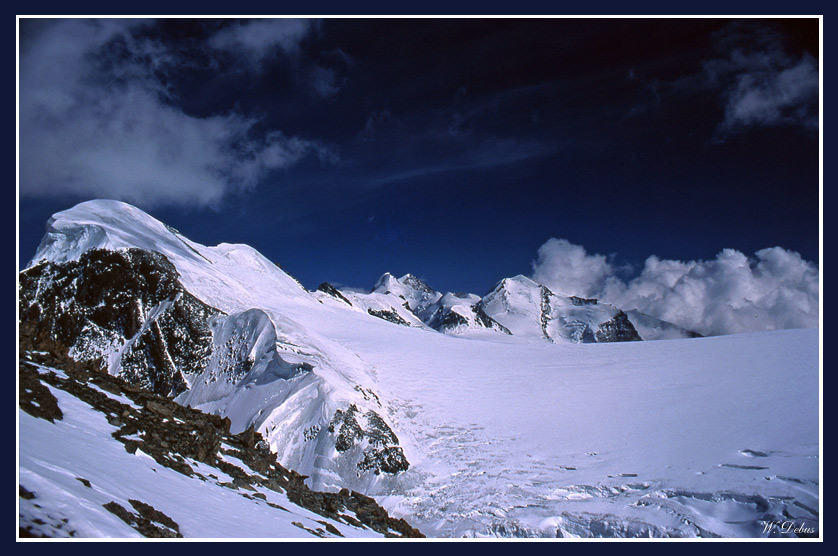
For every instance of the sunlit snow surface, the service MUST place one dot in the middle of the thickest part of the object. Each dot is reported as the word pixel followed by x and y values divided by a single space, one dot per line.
pixel 686 437
pixel 511 435
pixel 74 467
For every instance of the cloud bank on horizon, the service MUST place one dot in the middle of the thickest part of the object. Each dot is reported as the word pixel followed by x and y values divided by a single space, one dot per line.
pixel 97 117
pixel 730 294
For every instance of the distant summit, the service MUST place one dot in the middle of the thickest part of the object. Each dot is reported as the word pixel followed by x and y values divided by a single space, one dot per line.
pixel 516 306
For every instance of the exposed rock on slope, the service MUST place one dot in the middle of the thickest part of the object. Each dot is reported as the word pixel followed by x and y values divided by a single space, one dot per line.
pixel 618 329
pixel 355 428
pixel 125 311
pixel 179 438
pixel 128 312
pixel 327 288
pixel 390 316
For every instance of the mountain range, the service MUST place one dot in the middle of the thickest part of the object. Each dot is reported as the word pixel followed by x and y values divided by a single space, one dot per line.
pixel 354 391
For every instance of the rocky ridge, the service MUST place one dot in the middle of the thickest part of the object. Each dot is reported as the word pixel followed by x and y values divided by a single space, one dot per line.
pixel 175 437
pixel 515 306
pixel 126 311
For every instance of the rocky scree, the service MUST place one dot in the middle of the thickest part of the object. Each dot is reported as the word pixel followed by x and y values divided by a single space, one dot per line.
pixel 175 435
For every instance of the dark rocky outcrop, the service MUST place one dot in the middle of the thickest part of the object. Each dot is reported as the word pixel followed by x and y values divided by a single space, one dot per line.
pixel 383 453
pixel 389 459
pixel 488 321
pixel 446 319
pixel 581 301
pixel 174 435
pixel 121 309
pixel 327 288
pixel 35 399
pixel 546 311
pixel 618 329
pixel 390 316
pixel 148 521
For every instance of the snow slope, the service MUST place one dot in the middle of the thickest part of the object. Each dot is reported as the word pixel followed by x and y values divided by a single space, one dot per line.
pixel 293 410
pixel 201 509
pixel 77 480
pixel 510 435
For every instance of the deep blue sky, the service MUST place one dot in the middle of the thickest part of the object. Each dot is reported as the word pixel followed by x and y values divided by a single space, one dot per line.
pixel 451 149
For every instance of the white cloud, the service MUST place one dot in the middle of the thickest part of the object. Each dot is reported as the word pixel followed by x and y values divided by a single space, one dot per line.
pixel 96 121
pixel 567 268
pixel 765 97
pixel 258 39
pixel 729 294
pixel 761 83
pixel 753 76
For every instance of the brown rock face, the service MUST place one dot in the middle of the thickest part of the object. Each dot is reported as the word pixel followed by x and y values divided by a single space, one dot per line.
pixel 175 435
pixel 128 305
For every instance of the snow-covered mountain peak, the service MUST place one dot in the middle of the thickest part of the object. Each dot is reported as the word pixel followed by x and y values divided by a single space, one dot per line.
pixel 105 224
pixel 521 280
pixel 231 277
pixel 407 289
pixel 415 283
pixel 528 308
pixel 360 391
pixel 388 283
pixel 385 283
pixel 515 293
